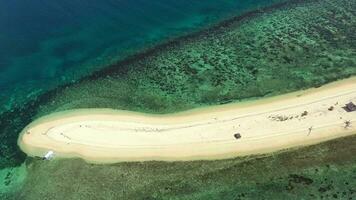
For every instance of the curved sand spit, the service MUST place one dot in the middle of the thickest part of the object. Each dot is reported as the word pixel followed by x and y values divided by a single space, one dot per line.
pixel 104 135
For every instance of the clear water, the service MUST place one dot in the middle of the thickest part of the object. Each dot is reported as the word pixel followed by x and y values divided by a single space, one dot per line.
pixel 47 43
pixel 44 44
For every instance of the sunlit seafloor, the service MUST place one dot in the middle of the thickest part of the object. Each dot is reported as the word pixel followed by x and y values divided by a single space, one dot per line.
pixel 268 51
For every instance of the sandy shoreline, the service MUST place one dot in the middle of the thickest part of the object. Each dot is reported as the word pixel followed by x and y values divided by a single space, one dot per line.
pixel 267 125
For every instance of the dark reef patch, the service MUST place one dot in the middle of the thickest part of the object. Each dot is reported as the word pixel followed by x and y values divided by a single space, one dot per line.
pixel 14 120
pixel 319 171
pixel 282 48
pixel 122 67
pixel 279 49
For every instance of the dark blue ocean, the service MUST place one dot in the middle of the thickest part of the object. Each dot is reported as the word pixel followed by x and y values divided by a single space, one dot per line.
pixel 45 43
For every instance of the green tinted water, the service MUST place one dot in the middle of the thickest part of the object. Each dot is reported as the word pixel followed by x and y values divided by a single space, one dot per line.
pixel 265 53
pixel 325 171
pixel 49 43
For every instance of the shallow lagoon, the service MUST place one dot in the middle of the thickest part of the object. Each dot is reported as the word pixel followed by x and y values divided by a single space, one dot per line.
pixel 48 43
pixel 305 53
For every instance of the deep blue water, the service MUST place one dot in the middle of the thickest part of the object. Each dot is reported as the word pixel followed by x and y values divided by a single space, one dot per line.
pixel 44 43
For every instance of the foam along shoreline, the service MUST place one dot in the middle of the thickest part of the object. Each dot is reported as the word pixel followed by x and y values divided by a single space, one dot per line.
pixel 107 136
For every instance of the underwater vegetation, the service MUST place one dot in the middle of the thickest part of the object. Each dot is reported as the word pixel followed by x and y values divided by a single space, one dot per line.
pixel 260 54
pixel 49 43
pixel 282 48
pixel 19 103
pixel 324 171
pixel 270 51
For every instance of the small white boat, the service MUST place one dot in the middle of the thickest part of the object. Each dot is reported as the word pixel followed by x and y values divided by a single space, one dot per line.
pixel 49 155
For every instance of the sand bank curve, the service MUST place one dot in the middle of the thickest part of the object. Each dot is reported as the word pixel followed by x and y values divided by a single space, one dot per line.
pixel 267 125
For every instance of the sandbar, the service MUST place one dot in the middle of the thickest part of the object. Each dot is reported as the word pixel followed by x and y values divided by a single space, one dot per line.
pixel 267 125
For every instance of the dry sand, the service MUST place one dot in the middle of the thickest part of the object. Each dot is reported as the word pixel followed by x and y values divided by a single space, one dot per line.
pixel 267 125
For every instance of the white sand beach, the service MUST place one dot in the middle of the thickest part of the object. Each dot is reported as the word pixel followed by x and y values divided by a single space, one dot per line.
pixel 267 125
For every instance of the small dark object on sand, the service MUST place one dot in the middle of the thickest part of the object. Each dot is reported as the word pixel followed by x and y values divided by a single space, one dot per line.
pixel 305 113
pixel 310 130
pixel 331 108
pixel 237 135
pixel 347 124
pixel 350 107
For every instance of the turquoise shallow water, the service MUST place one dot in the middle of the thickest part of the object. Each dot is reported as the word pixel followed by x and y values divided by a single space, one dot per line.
pixel 47 43
pixel 280 48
